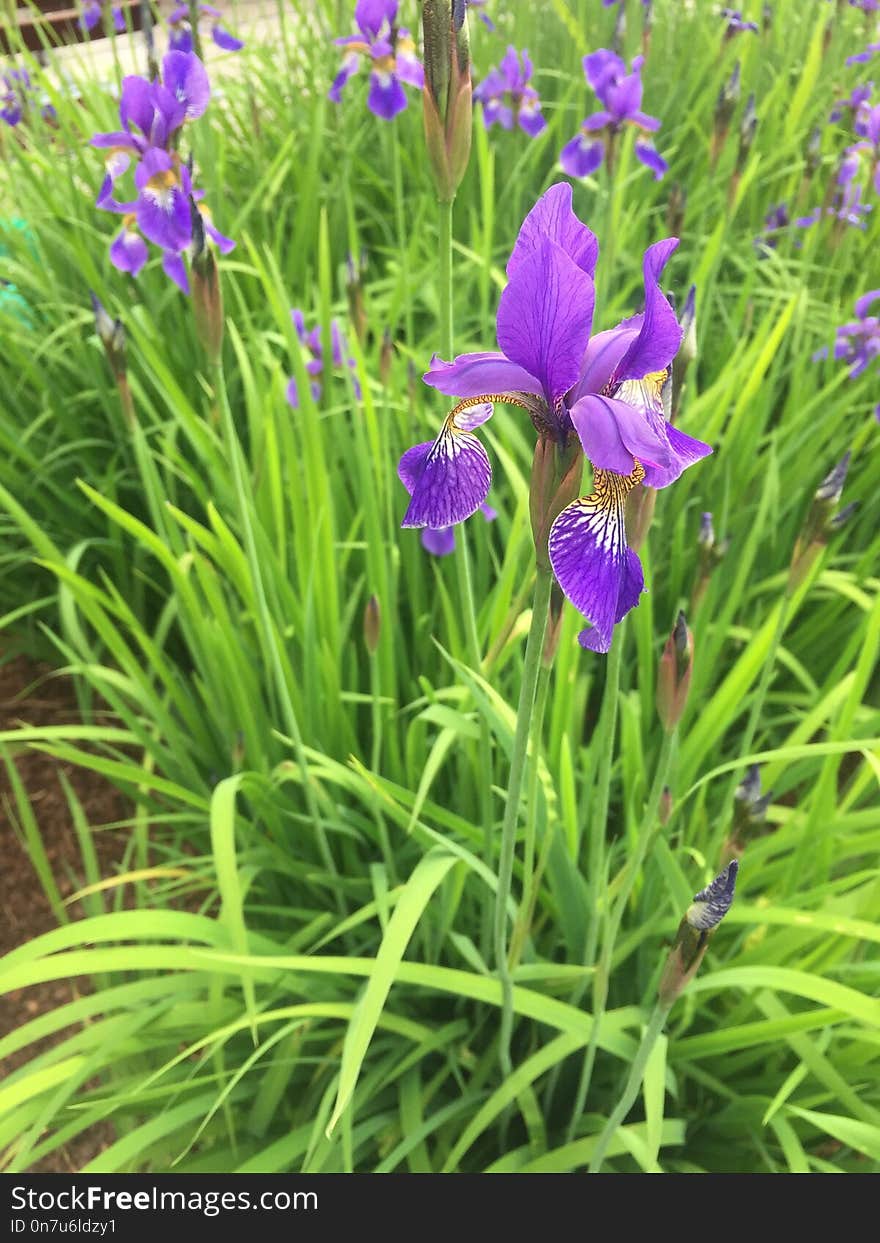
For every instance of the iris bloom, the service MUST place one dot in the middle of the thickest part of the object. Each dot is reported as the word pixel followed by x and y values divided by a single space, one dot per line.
pixel 601 393
pixel 152 115
pixel 507 97
pixel 867 150
pixel 620 93
pixel 858 342
pixel 311 341
pixel 392 55
pixel 180 37
pixel 93 11
pixel 862 58
pixel 856 103
pixel 776 220
pixel 736 23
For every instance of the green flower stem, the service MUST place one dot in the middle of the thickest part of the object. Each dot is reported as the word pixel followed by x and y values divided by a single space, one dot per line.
pixel 194 23
pixel 400 224
pixel 530 877
pixel 603 969
pixel 462 556
pixel 528 689
pixel 633 1084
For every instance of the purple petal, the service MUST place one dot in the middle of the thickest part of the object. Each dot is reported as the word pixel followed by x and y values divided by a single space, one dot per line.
pixel 187 79
pixel 862 304
pixel 128 252
pixel 349 67
pixel 223 244
pixel 660 333
pixel 175 268
pixel 580 157
pixel 603 67
pixel 472 375
pixel 596 570
pixel 614 433
pixel 386 96
pixel 603 355
pixel 651 158
pixel 596 121
pixel 530 120
pixel 370 15
pixel 684 451
pixel 225 40
pixel 136 104
pixel 292 394
pixel 553 217
pixel 440 543
pixel 544 318
pixel 447 480
pixel 409 69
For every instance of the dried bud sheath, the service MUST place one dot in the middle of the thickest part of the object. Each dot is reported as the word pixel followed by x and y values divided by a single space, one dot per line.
pixel 447 95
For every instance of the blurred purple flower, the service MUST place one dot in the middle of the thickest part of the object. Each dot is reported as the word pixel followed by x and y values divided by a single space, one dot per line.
pixel 151 116
pixel 441 542
pixel 620 93
pixel 311 341
pixel 856 103
pixel 484 17
pixel 867 151
pixel 858 342
pixel 775 221
pixel 92 13
pixel 180 38
pixel 736 23
pixel 392 55
pixel 601 394
pixel 507 97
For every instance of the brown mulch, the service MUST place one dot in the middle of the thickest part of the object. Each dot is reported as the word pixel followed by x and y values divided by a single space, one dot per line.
pixel 30 695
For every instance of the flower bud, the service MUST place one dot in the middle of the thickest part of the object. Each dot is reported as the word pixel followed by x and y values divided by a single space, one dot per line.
pixel 749 814
pixel 554 625
pixel 748 127
pixel 111 334
pixel 618 39
pixel 372 625
pixel 555 483
pixel 647 24
pixel 725 107
pixel 206 291
pixel 640 505
pixel 674 674
pixel 821 522
pixel 447 94
pixel 386 357
pixel 707 910
pixel 675 209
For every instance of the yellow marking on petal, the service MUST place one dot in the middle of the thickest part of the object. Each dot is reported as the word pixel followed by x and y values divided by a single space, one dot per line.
pixel 485 399
pixel 611 490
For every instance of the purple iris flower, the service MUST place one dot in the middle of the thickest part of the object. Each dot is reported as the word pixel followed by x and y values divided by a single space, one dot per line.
pixel 856 103
pixel 392 55
pixel 16 89
pixel 507 97
pixel 736 23
pixel 92 14
pixel 776 220
pixel 862 58
pixel 620 93
pixel 311 340
pixel 858 342
pixel 151 116
pixel 866 151
pixel 180 37
pixel 603 392
pixel 441 543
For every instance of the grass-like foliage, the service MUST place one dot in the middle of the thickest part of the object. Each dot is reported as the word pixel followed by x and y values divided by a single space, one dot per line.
pixel 295 971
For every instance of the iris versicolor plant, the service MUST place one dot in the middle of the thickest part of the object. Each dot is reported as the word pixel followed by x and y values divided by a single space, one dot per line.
pixel 391 54
pixel 153 115
pixel 508 99
pixel 858 342
pixel 620 94
pixel 597 396
pixel 180 33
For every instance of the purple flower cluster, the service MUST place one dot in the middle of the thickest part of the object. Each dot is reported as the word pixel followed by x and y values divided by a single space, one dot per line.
pixel 858 342
pixel 180 36
pixel 152 115
pixel 507 97
pixel 93 13
pixel 18 97
pixel 392 56
pixel 620 94
pixel 311 341
pixel 601 393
